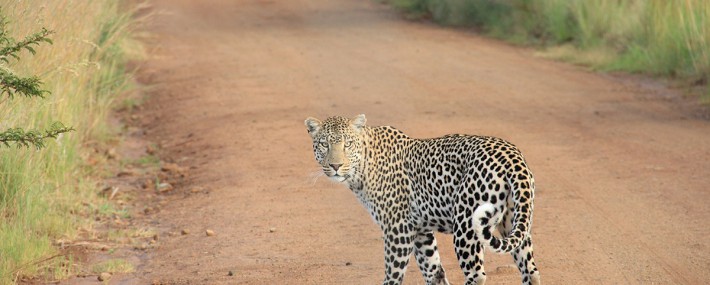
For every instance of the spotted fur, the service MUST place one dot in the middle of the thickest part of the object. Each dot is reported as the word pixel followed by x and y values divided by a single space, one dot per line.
pixel 473 187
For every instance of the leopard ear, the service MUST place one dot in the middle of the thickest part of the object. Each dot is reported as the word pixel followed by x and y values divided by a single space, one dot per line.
pixel 313 126
pixel 358 122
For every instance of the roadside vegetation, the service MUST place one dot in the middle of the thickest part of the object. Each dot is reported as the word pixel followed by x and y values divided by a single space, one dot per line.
pixel 656 37
pixel 48 195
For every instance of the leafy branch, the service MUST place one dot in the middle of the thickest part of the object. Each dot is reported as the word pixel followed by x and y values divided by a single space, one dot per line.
pixel 12 84
pixel 34 138
pixel 11 48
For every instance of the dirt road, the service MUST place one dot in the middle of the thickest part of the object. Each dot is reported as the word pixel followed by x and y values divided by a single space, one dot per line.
pixel 621 169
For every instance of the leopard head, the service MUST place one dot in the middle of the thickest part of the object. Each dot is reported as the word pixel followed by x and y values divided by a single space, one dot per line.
pixel 338 144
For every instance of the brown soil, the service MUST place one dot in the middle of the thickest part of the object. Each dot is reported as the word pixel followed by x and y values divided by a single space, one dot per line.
pixel 621 167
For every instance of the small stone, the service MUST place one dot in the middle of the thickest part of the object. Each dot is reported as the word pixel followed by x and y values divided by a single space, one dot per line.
pixel 348 263
pixel 150 149
pixel 105 189
pixel 111 153
pixel 120 222
pixel 165 187
pixel 209 233
pixel 197 189
pixel 104 276
pixel 126 173
pixel 185 232
pixel 230 273
pixel 167 167
pixel 271 230
pixel 174 168
pixel 156 237
pixel 149 184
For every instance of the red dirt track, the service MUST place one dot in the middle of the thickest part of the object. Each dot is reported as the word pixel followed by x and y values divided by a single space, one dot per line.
pixel 621 165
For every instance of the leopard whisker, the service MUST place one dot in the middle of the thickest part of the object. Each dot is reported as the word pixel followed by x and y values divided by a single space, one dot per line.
pixel 314 175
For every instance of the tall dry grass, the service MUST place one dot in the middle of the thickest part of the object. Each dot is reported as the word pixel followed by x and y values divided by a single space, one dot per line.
pixel 659 37
pixel 44 194
pixel 670 38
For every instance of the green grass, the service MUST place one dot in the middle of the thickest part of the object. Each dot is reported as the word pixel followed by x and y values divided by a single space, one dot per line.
pixel 147 160
pixel 109 209
pixel 129 104
pixel 657 37
pixel 113 266
pixel 43 194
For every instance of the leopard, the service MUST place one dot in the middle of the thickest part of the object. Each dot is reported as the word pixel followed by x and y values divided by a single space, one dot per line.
pixel 477 188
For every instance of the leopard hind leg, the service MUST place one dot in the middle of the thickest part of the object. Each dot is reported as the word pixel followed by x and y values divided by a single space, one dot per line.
pixel 523 255
pixel 524 259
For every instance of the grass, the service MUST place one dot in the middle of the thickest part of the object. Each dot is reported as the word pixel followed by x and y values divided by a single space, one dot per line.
pixel 147 160
pixel 43 193
pixel 113 266
pixel 656 37
pixel 129 104
pixel 109 209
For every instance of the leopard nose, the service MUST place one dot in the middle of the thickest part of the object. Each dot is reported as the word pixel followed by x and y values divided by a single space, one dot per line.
pixel 336 166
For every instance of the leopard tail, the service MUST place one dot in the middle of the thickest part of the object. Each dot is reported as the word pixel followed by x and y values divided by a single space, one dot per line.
pixel 486 217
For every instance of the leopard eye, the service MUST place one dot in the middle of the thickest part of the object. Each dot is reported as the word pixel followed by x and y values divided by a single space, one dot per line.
pixel 323 144
pixel 348 143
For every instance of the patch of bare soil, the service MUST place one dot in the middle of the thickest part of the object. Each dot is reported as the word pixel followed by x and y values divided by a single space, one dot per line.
pixel 621 169
pixel 136 185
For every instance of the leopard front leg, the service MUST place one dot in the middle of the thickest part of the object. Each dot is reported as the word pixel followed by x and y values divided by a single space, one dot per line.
pixel 398 247
pixel 427 254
